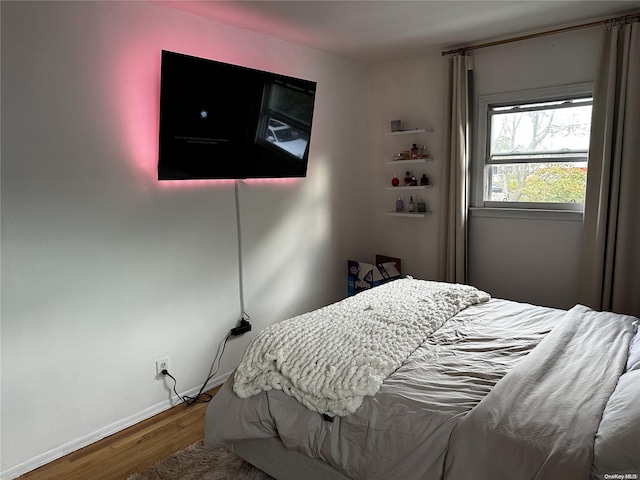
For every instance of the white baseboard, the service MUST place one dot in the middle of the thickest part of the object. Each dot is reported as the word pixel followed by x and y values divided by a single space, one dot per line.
pixel 78 443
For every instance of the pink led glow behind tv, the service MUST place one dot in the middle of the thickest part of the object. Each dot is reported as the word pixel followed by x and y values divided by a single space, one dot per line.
pixel 222 121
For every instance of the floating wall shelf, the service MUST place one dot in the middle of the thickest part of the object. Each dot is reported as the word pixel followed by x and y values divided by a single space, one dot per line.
pixel 409 214
pixel 406 162
pixel 406 189
pixel 408 132
pixel 410 187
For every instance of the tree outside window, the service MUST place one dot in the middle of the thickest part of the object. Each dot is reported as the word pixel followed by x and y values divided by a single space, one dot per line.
pixel 536 152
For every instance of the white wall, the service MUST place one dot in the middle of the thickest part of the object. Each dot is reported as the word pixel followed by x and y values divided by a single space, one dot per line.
pixel 104 269
pixel 411 90
pixel 527 260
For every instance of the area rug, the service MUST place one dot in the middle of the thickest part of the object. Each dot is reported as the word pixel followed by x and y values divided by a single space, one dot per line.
pixel 195 463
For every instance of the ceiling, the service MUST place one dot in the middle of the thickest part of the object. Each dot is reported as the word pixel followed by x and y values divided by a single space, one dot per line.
pixel 373 31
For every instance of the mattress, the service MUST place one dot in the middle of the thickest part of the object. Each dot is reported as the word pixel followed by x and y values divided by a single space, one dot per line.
pixel 432 416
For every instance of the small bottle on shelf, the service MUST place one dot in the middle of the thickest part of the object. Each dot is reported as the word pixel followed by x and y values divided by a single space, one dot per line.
pixel 412 206
pixel 414 181
pixel 422 207
pixel 424 180
pixel 407 179
pixel 399 205
pixel 394 181
pixel 415 151
pixel 423 152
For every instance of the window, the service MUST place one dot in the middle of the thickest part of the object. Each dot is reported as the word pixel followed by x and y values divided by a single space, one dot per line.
pixel 533 148
pixel 286 122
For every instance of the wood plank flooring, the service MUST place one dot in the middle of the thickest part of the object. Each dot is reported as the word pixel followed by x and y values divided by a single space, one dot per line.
pixel 131 450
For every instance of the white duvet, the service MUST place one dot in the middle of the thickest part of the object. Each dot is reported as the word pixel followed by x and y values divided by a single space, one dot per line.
pixel 416 426
pixel 331 358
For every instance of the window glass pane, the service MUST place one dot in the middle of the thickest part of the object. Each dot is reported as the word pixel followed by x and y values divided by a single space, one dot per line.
pixel 555 130
pixel 286 137
pixel 538 182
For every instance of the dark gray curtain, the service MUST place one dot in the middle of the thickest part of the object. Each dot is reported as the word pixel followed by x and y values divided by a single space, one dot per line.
pixel 455 174
pixel 610 277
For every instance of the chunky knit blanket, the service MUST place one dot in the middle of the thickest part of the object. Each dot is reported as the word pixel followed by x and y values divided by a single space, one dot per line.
pixel 331 358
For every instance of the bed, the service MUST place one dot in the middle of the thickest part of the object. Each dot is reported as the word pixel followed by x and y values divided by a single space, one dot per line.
pixel 427 380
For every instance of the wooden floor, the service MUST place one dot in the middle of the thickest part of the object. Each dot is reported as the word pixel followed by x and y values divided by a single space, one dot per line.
pixel 131 450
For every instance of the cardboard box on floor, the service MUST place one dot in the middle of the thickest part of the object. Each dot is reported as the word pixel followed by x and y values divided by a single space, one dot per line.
pixel 362 276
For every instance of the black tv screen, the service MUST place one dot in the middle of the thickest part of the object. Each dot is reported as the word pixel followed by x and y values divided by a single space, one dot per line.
pixel 221 121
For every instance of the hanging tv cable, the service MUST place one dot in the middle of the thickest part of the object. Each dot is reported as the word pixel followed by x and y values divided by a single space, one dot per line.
pixel 243 314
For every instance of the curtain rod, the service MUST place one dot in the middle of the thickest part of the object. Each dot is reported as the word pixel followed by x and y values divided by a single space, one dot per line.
pixel 542 34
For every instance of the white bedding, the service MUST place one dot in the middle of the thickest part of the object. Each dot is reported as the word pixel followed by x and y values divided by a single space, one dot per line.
pixel 617 443
pixel 407 430
pixel 399 432
pixel 541 419
pixel 331 358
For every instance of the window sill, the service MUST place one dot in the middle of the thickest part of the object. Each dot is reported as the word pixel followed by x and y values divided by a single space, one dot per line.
pixel 526 213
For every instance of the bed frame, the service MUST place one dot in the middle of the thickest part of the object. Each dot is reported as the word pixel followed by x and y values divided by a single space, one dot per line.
pixel 271 456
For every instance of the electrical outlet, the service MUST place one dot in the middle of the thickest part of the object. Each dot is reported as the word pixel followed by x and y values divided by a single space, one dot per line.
pixel 161 364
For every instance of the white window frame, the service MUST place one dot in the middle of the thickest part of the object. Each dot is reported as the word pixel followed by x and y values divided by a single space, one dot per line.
pixel 481 182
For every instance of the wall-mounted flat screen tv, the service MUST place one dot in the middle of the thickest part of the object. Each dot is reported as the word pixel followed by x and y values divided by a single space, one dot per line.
pixel 221 121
